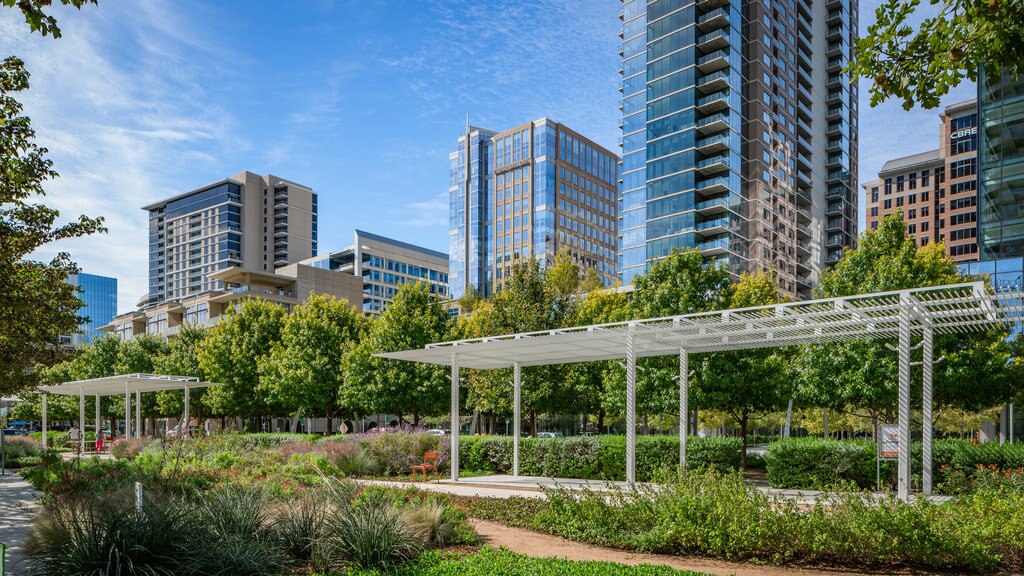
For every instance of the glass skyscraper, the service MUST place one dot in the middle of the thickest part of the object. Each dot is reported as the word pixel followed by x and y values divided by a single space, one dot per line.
pixel 739 134
pixel 99 297
pixel 530 191
pixel 1001 166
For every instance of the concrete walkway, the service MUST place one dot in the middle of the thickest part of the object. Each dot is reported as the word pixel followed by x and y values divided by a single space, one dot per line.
pixel 507 486
pixel 18 503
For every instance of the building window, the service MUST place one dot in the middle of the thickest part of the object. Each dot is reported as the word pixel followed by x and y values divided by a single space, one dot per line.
pixel 899 183
pixel 924 177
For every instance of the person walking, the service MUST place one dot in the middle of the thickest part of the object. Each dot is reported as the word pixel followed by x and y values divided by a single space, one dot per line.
pixel 75 436
pixel 99 441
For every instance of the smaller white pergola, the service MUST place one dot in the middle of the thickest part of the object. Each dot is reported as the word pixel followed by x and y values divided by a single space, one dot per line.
pixel 115 386
pixel 898 315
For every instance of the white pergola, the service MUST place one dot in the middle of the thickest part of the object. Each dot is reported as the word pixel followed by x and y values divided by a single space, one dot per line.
pixel 115 386
pixel 901 315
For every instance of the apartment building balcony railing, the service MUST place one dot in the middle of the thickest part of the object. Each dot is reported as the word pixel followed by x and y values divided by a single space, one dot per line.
pixel 712 205
pixel 713 185
pixel 713 164
pixel 716 246
pixel 712 144
pixel 714 226
pixel 714 61
pixel 714 19
pixel 713 123
pixel 713 102
pixel 713 81
pixel 713 40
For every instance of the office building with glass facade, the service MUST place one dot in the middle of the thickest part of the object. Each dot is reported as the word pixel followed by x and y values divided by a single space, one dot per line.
pixel 529 192
pixel 249 221
pixel 739 135
pixel 99 306
pixel 936 191
pixel 1001 166
pixel 383 265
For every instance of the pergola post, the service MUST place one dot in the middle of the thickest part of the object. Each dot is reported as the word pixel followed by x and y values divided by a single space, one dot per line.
pixel 81 420
pixel 138 414
pixel 454 457
pixel 517 386
pixel 903 408
pixel 127 412
pixel 44 421
pixel 684 404
pixel 98 399
pixel 630 410
pixel 187 417
pixel 926 413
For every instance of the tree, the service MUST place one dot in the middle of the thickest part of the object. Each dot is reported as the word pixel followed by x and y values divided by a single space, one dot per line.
pixel 469 300
pixel 305 369
pixel 37 306
pixel 182 359
pixel 413 319
pixel 588 379
pixel 920 65
pixel 682 283
pixel 591 281
pixel 563 277
pixel 747 383
pixel 863 375
pixel 39 21
pixel 233 352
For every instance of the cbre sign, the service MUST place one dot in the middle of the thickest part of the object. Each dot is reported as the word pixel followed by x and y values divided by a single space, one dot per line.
pixel 964 133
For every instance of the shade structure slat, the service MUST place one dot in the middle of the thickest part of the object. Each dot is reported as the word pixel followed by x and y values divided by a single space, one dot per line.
pixel 950 309
pixel 119 385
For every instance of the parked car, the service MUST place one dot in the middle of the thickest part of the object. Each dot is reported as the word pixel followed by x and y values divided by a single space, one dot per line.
pixel 438 432
pixel 15 432
pixel 549 434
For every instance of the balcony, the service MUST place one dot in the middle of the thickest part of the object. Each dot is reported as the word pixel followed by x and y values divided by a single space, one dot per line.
pixel 713 123
pixel 713 247
pixel 713 164
pixel 804 128
pixel 835 49
pixel 713 144
pixel 834 113
pixel 835 32
pixel 714 81
pixel 713 102
pixel 713 20
pixel 803 215
pixel 834 208
pixel 713 227
pixel 711 4
pixel 834 16
pixel 803 144
pixel 714 61
pixel 280 194
pixel 713 185
pixel 712 205
pixel 714 40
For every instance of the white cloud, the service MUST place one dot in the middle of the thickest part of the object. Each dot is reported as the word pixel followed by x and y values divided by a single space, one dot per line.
pixel 122 115
pixel 425 213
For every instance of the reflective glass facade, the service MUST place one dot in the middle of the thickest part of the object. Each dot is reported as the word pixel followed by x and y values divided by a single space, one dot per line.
pixel 1001 163
pixel 531 191
pixel 99 295
pixel 729 145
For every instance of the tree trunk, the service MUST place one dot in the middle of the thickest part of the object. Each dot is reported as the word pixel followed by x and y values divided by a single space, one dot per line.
pixel 415 419
pixel 743 431
pixel 533 422
pixel 600 422
pixel 330 424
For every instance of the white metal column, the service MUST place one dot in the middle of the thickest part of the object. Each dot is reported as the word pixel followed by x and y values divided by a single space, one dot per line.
pixel 517 385
pixel 684 404
pixel 926 413
pixel 81 420
pixel 44 420
pixel 630 410
pixel 98 425
pixel 183 427
pixel 903 408
pixel 454 456
pixel 138 414
pixel 127 412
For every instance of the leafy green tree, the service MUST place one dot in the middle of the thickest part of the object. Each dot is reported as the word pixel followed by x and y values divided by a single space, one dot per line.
pixel 682 283
pixel 563 277
pixel 413 319
pixel 591 281
pixel 232 353
pixel 469 300
pixel 37 19
pixel 920 65
pixel 588 379
pixel 182 359
pixel 37 306
pixel 140 355
pixel 747 383
pixel 864 374
pixel 305 369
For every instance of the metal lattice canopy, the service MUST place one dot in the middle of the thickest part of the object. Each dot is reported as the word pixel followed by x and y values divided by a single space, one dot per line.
pixel 950 309
pixel 114 385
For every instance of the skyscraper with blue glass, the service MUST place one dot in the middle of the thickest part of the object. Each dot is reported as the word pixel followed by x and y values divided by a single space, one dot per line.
pixel 529 192
pixel 739 134
pixel 99 297
pixel 1001 166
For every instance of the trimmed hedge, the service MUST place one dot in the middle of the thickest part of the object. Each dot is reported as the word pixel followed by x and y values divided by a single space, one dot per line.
pixel 811 463
pixel 594 457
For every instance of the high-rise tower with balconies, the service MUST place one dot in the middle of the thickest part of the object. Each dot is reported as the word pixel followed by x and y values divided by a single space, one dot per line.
pixel 739 135
pixel 255 222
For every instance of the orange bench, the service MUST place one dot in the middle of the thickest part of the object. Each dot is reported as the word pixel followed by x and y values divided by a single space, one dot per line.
pixel 429 463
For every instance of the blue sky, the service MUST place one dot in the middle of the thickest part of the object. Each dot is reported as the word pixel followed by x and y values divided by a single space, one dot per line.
pixel 360 100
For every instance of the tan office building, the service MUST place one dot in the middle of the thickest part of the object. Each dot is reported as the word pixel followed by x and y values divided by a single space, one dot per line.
pixel 937 191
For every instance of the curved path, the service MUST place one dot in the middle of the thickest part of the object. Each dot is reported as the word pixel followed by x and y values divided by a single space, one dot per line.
pixel 547 546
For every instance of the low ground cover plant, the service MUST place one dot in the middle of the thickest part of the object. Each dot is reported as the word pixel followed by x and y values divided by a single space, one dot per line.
pixel 708 513
pixel 21 451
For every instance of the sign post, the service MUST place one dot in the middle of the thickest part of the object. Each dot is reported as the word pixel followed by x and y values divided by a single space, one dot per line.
pixel 888 448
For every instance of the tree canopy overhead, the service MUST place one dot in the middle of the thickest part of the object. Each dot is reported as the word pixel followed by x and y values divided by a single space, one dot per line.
pixel 920 64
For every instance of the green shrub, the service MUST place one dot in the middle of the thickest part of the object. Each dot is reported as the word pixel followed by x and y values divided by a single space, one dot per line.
pixel 300 525
pixel 371 534
pixel 234 534
pixel 816 463
pixel 397 452
pixel 594 457
pixel 20 446
pixel 126 448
